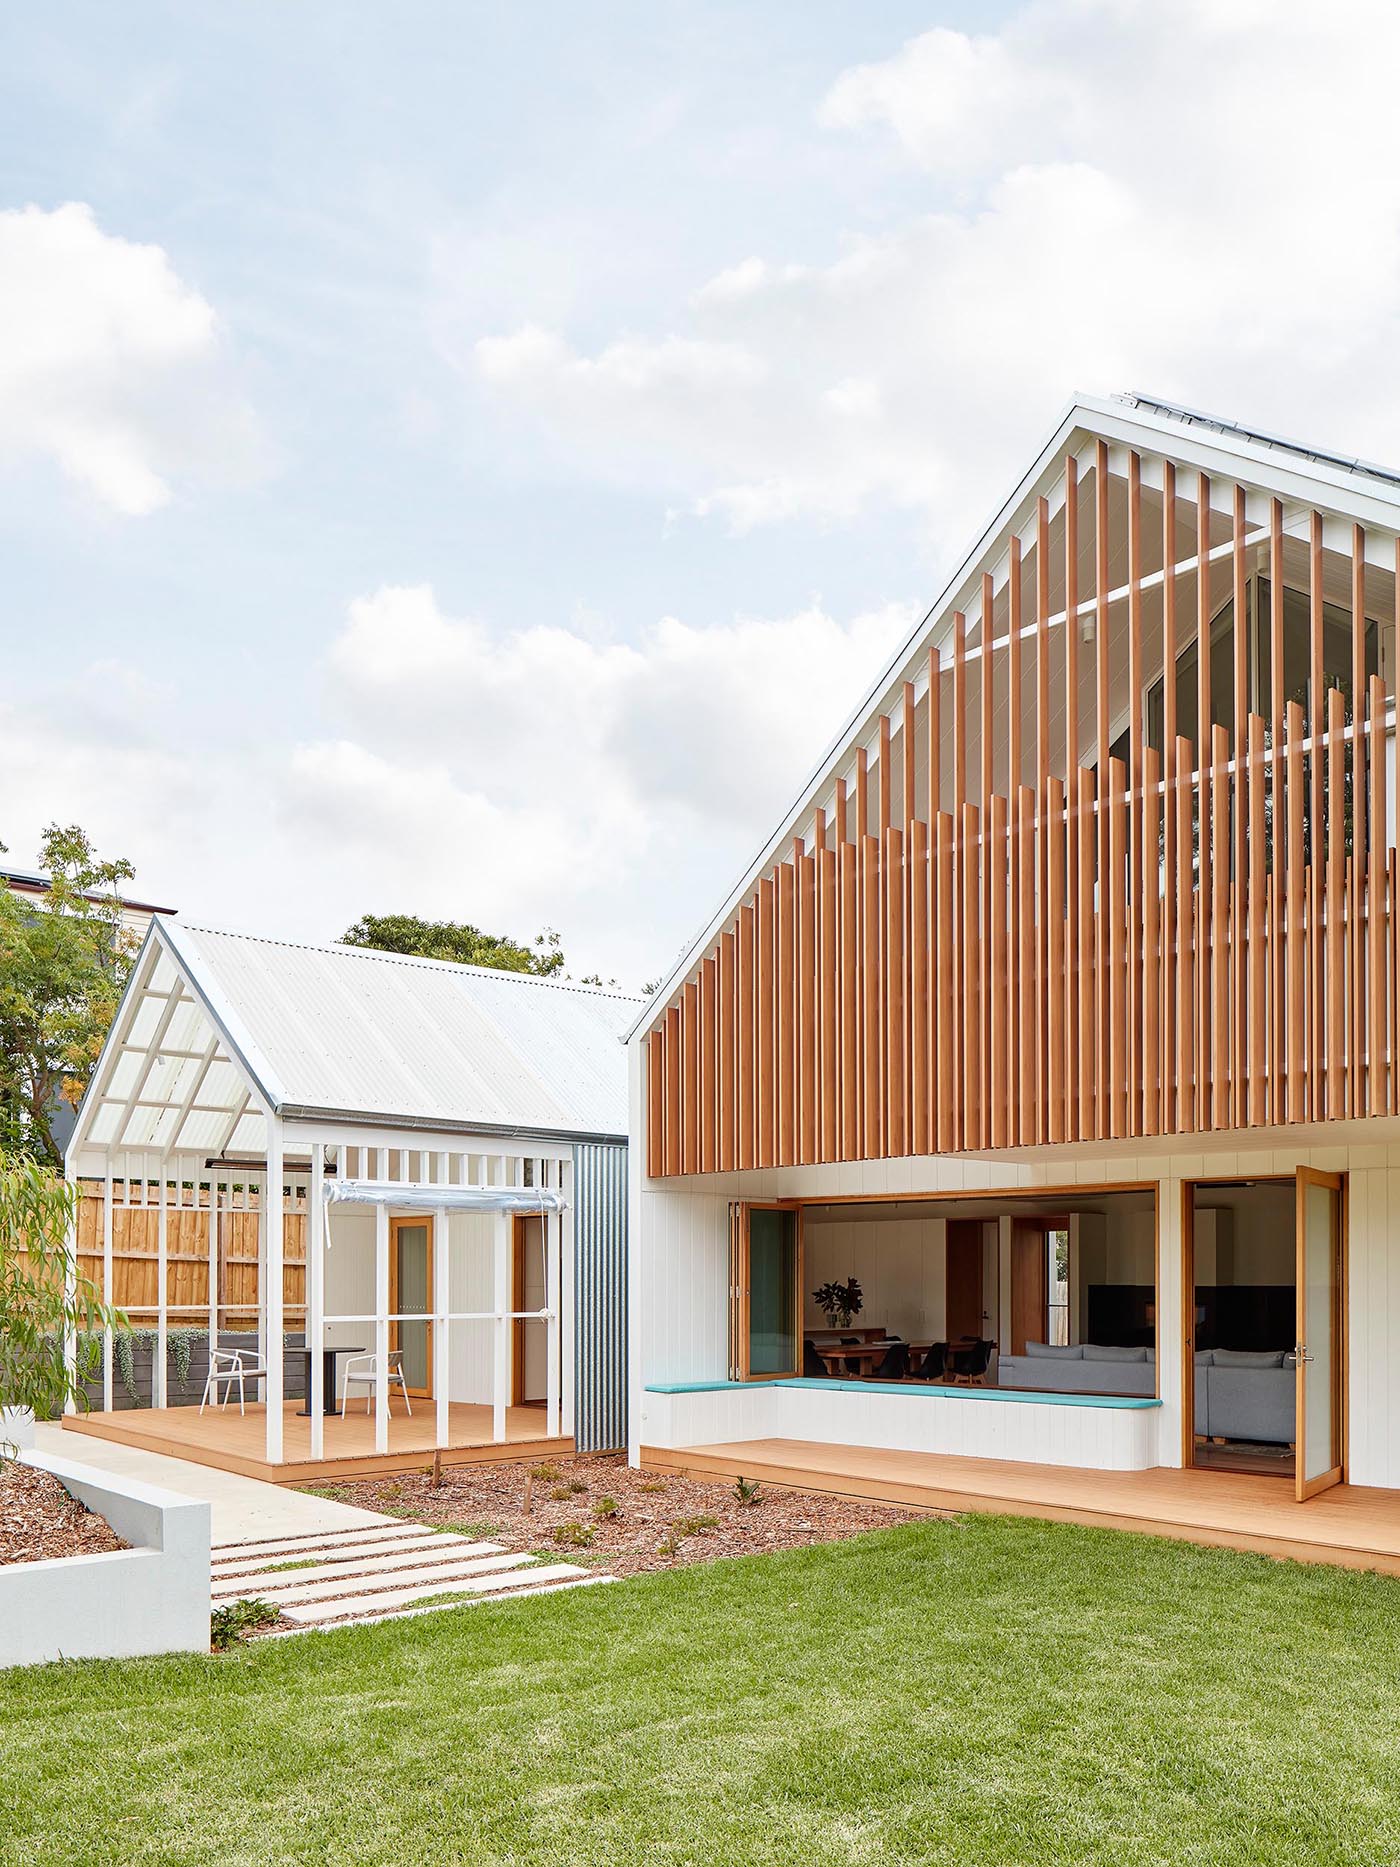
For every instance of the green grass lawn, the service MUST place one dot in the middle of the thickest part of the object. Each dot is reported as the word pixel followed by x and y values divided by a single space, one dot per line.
pixel 994 1691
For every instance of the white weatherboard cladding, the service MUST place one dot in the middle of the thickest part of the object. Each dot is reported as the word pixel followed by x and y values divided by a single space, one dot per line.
pixel 347 1029
pixel 1118 1439
pixel 680 1292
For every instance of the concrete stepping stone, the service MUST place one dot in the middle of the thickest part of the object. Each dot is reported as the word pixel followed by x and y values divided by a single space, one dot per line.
pixel 388 1599
pixel 344 1552
pixel 311 1584
pixel 288 1545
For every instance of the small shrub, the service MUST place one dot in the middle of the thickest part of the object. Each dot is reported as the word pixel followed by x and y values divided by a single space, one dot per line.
pixel 746 1491
pixel 651 1484
pixel 605 1507
pixel 546 1474
pixel 560 1492
pixel 571 1535
pixel 227 1625
pixel 393 1490
pixel 692 1526
pixel 669 1544
pixel 577 1487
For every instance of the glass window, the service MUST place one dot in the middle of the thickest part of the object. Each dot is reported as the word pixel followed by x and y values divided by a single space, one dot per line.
pixel 1057 1288
pixel 773 1346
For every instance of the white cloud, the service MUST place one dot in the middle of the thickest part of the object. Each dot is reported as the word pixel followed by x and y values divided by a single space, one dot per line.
pixel 110 365
pixel 518 779
pixel 1201 201
pixel 545 775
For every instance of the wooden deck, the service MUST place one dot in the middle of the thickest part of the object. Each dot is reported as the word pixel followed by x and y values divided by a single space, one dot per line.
pixel 1352 1526
pixel 233 1442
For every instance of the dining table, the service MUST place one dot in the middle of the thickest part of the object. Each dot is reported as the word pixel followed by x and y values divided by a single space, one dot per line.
pixel 860 1355
pixel 328 1356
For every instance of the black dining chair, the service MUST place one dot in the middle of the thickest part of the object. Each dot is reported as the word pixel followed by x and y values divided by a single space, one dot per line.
pixel 934 1365
pixel 813 1367
pixel 969 1365
pixel 894 1363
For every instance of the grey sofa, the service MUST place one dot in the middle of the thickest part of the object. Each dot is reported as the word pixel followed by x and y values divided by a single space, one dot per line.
pixel 1082 1368
pixel 1244 1395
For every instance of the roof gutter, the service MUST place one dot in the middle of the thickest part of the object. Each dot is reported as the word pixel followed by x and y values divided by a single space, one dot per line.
pixel 432 1124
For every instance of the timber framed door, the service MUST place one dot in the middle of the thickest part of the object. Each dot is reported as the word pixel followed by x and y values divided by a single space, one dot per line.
pixel 411 1298
pixel 1320 1350
pixel 1030 1288
pixel 529 1340
pixel 963 1313
pixel 765 1291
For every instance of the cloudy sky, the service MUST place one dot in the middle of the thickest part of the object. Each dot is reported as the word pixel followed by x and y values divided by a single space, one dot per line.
pixel 468 459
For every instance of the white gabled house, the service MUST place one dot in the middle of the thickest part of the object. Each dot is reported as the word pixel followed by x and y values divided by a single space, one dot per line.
pixel 431 1158
pixel 1061 1012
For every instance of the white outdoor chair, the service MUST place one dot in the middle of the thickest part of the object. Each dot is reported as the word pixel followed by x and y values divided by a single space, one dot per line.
pixel 365 1369
pixel 229 1365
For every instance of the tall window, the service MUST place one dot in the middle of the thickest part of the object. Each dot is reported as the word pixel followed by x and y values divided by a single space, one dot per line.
pixel 1057 1288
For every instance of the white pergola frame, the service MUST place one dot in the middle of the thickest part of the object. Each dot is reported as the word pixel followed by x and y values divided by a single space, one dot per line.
pixel 134 1135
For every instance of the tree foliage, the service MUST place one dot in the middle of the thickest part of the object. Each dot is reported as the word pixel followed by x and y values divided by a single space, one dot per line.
pixel 38 1308
pixel 455 940
pixel 64 960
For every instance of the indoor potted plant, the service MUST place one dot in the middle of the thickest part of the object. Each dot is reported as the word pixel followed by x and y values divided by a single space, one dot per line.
pixel 839 1303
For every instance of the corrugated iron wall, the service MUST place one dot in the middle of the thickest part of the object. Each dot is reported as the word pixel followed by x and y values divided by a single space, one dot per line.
pixel 600 1298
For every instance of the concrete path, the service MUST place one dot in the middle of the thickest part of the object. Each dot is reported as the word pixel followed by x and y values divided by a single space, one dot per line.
pixel 241 1508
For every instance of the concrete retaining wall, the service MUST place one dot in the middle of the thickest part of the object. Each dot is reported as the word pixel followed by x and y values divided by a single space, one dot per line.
pixel 151 1598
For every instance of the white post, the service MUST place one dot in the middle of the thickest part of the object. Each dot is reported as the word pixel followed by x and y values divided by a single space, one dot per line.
pixel 501 1304
pixel 70 1289
pixel 316 1303
pixel 262 1283
pixel 107 1287
pixel 550 1227
pixel 442 1365
pixel 213 1264
pixel 381 1327
pixel 272 1308
pixel 158 1393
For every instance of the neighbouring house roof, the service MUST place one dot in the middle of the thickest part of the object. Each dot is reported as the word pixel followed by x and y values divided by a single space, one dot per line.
pixel 27 882
pixel 1331 482
pixel 348 1032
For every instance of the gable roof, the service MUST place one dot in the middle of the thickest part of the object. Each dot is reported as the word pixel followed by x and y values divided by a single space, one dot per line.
pixel 353 1033
pixel 1335 483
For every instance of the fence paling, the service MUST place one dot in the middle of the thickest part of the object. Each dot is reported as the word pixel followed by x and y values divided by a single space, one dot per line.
pixel 135 1278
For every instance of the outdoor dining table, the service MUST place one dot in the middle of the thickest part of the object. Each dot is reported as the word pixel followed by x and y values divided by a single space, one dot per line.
pixel 328 1356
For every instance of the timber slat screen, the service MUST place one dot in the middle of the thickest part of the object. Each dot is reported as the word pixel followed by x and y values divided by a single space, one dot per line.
pixel 1051 918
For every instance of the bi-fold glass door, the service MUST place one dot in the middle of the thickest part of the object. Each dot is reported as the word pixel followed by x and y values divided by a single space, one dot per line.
pixel 1318 1352
pixel 765 1292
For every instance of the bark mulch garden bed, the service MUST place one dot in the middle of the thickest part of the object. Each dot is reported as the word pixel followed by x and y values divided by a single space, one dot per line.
pixel 40 1519
pixel 602 1513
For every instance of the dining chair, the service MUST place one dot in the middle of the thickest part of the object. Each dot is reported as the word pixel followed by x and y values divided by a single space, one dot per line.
pixel 365 1369
pixel 934 1365
pixel 228 1365
pixel 813 1367
pixel 894 1363
pixel 968 1365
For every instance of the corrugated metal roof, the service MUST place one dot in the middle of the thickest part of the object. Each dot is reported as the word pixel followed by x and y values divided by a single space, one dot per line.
pixel 356 1032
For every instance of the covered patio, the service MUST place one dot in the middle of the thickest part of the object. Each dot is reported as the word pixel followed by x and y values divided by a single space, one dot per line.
pixel 368 1120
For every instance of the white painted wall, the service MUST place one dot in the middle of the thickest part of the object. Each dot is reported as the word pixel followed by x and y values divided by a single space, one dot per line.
pixel 680 1232
pixel 469 1287
pixel 900 1264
